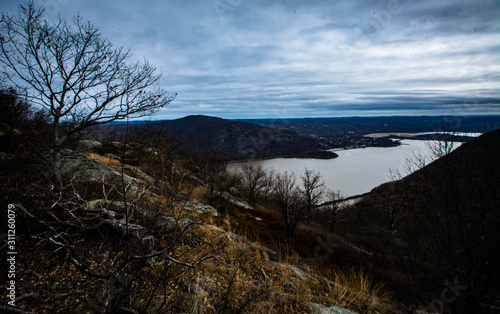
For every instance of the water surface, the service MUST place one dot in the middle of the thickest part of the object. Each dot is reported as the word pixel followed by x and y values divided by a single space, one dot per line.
pixel 355 171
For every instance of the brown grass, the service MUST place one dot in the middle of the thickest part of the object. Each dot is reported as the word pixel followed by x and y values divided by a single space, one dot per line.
pixel 353 288
pixel 239 277
pixel 104 160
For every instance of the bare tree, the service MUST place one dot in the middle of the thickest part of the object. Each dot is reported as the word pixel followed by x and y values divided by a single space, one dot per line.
pixel 254 181
pixel 445 143
pixel 333 208
pixel 76 75
pixel 216 180
pixel 289 201
pixel 313 189
pixel 268 184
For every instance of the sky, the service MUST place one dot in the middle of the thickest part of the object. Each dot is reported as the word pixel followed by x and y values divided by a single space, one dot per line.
pixel 315 58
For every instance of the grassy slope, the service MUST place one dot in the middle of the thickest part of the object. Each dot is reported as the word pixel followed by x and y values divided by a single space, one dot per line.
pixel 239 277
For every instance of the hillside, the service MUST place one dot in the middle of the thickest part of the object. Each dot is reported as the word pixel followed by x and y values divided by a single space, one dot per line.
pixel 470 164
pixel 444 220
pixel 137 226
pixel 157 238
pixel 242 140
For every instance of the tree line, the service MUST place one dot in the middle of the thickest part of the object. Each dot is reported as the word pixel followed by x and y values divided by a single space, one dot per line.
pixel 297 199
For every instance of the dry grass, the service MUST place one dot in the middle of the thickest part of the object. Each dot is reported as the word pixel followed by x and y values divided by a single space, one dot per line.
pixel 104 159
pixel 240 277
pixel 354 288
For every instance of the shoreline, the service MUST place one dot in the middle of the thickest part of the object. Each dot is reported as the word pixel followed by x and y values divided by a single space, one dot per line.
pixel 324 155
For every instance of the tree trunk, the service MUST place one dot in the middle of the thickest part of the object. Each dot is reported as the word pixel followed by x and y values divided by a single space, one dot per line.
pixel 56 148
pixel 289 237
pixel 289 231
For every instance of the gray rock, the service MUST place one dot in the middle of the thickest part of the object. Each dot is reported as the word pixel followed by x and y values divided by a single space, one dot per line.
pixel 100 203
pixel 86 145
pixel 112 156
pixel 135 172
pixel 201 208
pixel 321 309
pixel 171 222
pixel 237 201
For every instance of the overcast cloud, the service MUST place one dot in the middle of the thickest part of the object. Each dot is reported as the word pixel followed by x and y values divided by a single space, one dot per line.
pixel 291 58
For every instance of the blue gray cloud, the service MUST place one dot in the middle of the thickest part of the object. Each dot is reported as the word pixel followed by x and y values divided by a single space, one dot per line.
pixel 295 58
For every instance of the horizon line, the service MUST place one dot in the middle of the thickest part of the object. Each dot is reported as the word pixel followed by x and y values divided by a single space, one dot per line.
pixel 323 117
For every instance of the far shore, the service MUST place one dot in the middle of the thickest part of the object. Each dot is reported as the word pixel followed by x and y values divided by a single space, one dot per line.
pixel 392 134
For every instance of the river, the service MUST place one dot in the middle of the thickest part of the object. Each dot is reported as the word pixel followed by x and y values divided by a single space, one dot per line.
pixel 355 171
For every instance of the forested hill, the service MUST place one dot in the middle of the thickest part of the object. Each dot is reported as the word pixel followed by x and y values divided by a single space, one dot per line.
pixel 238 140
pixel 469 175
pixel 474 161
pixel 443 218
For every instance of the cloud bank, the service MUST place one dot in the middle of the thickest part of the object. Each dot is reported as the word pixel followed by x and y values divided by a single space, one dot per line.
pixel 291 58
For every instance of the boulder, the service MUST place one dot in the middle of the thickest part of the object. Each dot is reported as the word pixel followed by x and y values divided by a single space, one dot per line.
pixel 321 309
pixel 88 145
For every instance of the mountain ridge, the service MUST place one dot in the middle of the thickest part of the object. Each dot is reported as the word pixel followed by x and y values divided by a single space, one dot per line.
pixel 239 140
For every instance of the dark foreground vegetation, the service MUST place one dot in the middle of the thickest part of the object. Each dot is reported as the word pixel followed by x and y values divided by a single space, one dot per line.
pixel 143 226
pixel 441 226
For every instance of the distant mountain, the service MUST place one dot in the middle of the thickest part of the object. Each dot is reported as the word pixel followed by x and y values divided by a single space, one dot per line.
pixel 237 140
pixel 365 125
